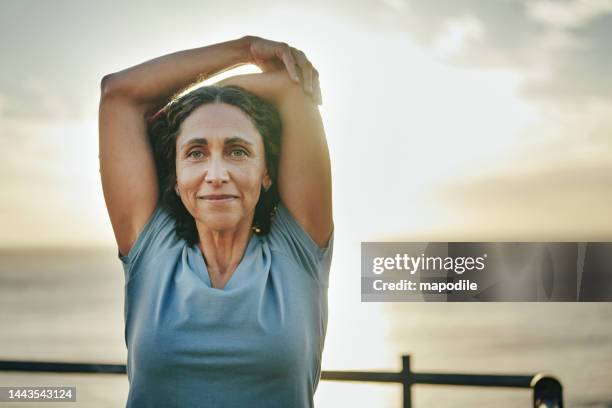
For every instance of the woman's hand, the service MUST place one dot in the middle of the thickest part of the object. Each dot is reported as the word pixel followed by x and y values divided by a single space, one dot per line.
pixel 272 56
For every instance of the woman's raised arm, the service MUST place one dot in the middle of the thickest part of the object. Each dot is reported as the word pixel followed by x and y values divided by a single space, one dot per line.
pixel 304 174
pixel 127 165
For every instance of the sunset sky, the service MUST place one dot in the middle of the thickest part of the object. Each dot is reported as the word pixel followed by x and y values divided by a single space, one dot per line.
pixel 446 119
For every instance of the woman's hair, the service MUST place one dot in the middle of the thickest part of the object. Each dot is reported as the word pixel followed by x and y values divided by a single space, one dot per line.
pixel 163 129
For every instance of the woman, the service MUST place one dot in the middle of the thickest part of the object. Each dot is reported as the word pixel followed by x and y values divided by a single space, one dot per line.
pixel 226 246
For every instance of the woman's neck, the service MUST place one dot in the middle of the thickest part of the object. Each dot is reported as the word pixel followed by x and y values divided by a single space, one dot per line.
pixel 223 251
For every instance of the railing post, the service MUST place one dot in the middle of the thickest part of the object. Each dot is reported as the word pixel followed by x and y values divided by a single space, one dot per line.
pixel 407 381
pixel 547 392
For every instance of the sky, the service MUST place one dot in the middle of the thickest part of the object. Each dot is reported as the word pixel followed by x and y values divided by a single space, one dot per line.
pixel 446 120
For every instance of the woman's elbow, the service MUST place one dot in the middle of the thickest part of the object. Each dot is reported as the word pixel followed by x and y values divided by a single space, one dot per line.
pixel 111 85
pixel 107 86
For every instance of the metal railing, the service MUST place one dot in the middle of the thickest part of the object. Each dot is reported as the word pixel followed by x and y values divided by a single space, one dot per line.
pixel 547 390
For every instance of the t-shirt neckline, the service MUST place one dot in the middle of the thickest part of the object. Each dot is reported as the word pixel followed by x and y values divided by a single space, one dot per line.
pixel 202 269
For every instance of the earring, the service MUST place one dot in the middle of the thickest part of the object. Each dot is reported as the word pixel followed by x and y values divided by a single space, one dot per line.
pixel 176 191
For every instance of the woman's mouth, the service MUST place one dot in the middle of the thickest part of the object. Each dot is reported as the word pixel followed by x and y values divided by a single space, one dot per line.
pixel 218 198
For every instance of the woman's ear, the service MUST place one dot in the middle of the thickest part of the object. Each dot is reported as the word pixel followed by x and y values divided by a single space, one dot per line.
pixel 176 190
pixel 267 182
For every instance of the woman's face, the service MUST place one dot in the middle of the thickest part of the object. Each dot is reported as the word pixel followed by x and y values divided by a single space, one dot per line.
pixel 220 166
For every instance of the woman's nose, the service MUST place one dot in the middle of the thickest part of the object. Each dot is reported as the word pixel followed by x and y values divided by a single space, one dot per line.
pixel 217 172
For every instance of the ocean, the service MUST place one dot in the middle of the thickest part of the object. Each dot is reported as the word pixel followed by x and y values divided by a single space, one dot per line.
pixel 67 305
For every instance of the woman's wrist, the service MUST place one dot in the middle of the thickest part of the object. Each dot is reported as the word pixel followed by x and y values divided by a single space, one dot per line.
pixel 243 47
pixel 274 86
pixel 217 58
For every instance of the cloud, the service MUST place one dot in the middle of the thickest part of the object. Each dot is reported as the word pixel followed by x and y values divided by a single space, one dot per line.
pixel 556 203
pixel 33 99
pixel 580 73
pixel 457 33
pixel 560 47
pixel 568 14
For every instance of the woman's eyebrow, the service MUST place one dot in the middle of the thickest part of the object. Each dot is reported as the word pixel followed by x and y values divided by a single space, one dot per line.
pixel 196 141
pixel 228 141
pixel 236 140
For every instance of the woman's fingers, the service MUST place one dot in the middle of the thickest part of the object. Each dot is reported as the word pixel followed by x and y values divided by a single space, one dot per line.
pixel 306 68
pixel 288 59
pixel 308 71
pixel 272 55
pixel 310 76
pixel 318 96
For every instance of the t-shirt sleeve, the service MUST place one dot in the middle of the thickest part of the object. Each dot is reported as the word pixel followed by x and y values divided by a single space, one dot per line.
pixel 288 236
pixel 156 234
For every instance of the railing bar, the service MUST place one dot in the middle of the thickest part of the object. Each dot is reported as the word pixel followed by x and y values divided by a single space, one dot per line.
pixel 548 391
pixel 46 366
pixel 522 381
pixel 361 376
pixel 482 380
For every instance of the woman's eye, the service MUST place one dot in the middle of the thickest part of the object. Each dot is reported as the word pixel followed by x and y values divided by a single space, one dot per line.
pixel 238 153
pixel 196 154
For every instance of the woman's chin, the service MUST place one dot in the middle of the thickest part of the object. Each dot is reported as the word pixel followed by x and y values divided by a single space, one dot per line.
pixel 221 222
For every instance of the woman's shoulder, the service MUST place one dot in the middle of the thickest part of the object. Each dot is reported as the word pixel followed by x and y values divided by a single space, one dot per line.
pixel 158 233
pixel 289 238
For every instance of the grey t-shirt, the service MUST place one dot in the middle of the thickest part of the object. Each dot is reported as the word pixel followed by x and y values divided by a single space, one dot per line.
pixel 256 342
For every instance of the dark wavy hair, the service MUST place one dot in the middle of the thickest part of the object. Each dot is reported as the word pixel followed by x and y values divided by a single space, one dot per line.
pixel 163 129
